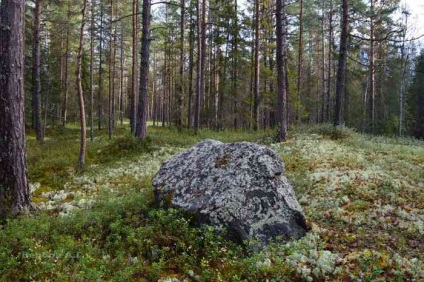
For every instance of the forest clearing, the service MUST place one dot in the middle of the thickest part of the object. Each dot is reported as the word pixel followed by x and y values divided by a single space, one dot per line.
pixel 362 196
pixel 208 140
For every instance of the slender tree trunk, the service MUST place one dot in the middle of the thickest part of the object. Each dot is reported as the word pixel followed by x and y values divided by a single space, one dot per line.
pixel 372 71
pixel 203 50
pixel 100 93
pixel 330 63
pixel 235 68
pixel 83 142
pixel 121 79
pixel 134 92
pixel 181 73
pixel 92 71
pixel 341 69
pixel 199 68
pixel 322 69
pixel 111 73
pixel 402 82
pixel 191 70
pixel 14 188
pixel 281 72
pixel 36 85
pixel 299 63
pixel 256 78
pixel 65 98
pixel 141 129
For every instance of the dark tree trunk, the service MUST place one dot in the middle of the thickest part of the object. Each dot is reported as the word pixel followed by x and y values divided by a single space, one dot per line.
pixel 256 66
pixel 141 128
pixel 121 79
pixel 235 68
pixel 372 71
pixel 323 84
pixel 14 189
pixel 36 85
pixel 92 72
pixel 111 74
pixel 100 93
pixel 281 71
pixel 191 68
pixel 330 62
pixel 180 98
pixel 65 98
pixel 83 141
pixel 199 68
pixel 299 63
pixel 341 68
pixel 134 93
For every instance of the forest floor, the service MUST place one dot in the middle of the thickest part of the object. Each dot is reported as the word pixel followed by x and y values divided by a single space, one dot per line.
pixel 363 197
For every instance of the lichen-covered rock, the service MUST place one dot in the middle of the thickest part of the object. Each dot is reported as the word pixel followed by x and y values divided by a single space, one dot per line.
pixel 238 186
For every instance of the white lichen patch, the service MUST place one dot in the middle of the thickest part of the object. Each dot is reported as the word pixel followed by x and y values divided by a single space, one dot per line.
pixel 81 191
pixel 364 186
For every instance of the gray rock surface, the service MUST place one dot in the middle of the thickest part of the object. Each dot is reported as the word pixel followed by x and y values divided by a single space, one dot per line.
pixel 238 186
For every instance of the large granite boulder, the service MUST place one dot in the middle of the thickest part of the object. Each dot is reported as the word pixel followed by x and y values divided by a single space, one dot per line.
pixel 238 186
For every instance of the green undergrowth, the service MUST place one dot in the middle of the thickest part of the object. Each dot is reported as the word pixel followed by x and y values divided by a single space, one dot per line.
pixel 362 196
pixel 53 162
pixel 125 238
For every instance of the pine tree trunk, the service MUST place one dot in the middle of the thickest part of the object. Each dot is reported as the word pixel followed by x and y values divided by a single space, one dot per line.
pixel 235 68
pixel 256 66
pixel 199 69
pixel 299 63
pixel 281 72
pixel 180 98
pixel 100 92
pixel 65 98
pixel 134 93
pixel 372 72
pixel 92 72
pixel 330 63
pixel 83 141
pixel 121 79
pixel 190 78
pixel 111 73
pixel 141 128
pixel 341 69
pixel 323 84
pixel 14 189
pixel 36 85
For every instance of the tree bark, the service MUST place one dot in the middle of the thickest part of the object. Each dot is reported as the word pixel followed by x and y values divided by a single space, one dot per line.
pixel 65 98
pixel 323 84
pixel 83 140
pixel 134 92
pixel 111 73
pixel 341 68
pixel 281 72
pixel 100 92
pixel 299 63
pixel 141 128
pixel 14 188
pixel 372 71
pixel 180 98
pixel 256 66
pixel 235 68
pixel 121 79
pixel 199 68
pixel 36 85
pixel 330 63
pixel 92 72
pixel 402 82
pixel 191 70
